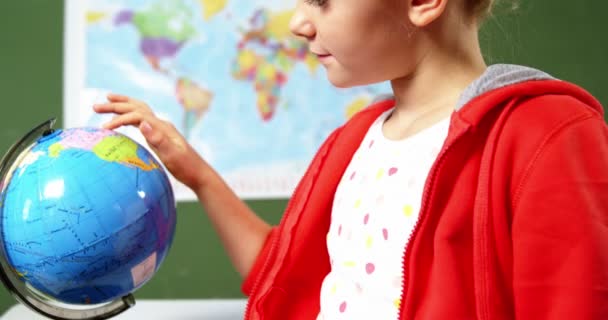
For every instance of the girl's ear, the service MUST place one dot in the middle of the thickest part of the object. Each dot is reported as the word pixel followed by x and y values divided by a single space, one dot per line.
pixel 423 12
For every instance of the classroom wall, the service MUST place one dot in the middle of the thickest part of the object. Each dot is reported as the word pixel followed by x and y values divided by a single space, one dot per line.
pixel 562 37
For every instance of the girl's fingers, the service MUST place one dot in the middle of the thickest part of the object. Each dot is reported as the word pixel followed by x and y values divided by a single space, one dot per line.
pixel 128 111
pixel 112 97
pixel 117 97
pixel 120 108
pixel 132 119
pixel 152 133
pixel 164 139
pixel 116 107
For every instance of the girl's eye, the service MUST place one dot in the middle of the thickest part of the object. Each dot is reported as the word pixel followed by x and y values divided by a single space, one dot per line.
pixel 317 3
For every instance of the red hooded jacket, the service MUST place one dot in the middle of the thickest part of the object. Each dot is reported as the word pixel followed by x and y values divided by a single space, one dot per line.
pixel 513 222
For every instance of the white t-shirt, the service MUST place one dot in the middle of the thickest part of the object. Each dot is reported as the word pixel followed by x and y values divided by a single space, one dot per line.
pixel 375 209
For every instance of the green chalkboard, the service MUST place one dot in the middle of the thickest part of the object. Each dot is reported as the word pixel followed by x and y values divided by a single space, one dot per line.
pixel 564 38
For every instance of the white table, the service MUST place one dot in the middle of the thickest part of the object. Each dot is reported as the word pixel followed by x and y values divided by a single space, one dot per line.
pixel 145 309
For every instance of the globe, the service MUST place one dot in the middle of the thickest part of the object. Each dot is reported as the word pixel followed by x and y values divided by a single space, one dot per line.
pixel 87 215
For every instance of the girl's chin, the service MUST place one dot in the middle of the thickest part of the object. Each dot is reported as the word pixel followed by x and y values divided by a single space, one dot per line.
pixel 344 82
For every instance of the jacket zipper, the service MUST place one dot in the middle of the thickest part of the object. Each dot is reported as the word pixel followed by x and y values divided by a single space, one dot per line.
pixel 423 212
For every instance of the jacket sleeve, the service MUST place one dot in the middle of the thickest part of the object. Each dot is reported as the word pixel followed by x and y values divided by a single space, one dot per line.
pixel 560 226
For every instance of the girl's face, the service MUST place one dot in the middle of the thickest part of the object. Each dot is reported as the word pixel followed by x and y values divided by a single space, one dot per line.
pixel 358 41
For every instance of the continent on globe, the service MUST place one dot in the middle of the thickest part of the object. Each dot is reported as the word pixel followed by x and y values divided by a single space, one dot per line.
pixel 267 52
pixel 105 144
pixel 164 28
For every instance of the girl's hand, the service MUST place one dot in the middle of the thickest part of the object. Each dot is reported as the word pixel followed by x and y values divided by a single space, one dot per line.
pixel 173 150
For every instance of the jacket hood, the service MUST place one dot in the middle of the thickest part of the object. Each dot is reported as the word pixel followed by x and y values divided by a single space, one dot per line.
pixel 503 82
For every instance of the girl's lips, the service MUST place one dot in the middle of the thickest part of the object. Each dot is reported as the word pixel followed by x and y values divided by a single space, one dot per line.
pixel 324 58
pixel 320 55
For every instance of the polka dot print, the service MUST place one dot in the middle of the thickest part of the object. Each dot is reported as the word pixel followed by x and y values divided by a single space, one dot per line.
pixel 369 268
pixel 385 233
pixel 376 208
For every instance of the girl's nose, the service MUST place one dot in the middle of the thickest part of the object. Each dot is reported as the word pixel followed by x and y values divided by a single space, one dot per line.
pixel 300 25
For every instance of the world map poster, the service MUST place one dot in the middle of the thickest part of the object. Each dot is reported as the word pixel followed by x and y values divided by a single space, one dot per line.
pixel 229 75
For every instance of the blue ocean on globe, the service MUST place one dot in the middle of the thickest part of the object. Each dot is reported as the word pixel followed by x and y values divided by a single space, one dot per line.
pixel 88 216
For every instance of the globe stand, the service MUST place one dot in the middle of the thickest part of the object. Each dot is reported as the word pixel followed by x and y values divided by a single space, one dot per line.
pixel 26 294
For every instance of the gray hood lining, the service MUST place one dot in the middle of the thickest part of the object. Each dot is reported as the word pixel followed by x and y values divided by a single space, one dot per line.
pixel 498 76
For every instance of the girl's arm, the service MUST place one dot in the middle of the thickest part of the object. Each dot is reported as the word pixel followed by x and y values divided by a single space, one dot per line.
pixel 560 227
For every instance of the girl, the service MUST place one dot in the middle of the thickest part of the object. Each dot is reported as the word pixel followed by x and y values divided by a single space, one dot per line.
pixel 474 193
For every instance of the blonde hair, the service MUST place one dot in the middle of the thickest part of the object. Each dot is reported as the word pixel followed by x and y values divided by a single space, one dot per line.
pixel 483 8
pixel 479 8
